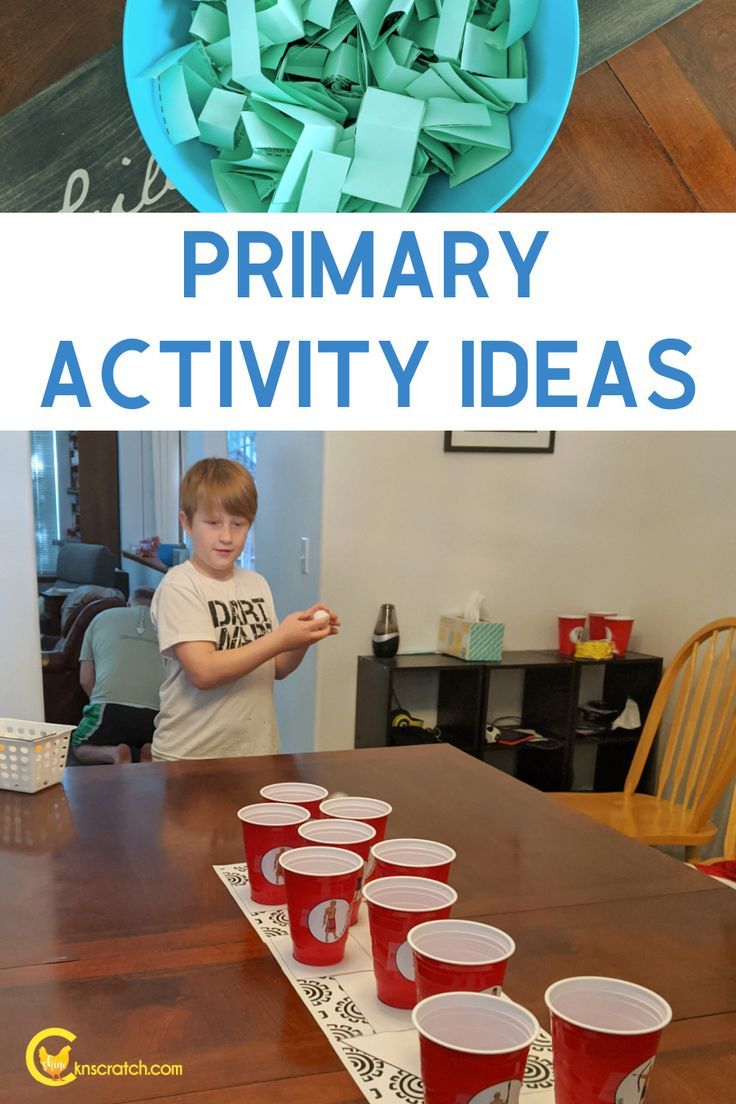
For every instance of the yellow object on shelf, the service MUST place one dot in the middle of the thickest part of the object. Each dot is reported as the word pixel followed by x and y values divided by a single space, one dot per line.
pixel 594 649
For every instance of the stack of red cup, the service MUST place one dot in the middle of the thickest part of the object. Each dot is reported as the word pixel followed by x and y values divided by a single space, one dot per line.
pixel 601 626
pixel 312 853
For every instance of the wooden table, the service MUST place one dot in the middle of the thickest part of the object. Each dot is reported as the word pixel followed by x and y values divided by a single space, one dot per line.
pixel 70 141
pixel 114 926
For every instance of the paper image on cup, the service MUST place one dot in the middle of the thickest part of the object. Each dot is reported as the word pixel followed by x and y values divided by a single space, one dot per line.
pixel 507 1093
pixel 270 866
pixel 576 634
pixel 633 1088
pixel 493 990
pixel 405 961
pixel 328 920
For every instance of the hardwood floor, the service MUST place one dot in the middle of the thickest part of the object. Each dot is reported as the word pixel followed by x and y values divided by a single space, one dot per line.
pixel 652 129
pixel 40 43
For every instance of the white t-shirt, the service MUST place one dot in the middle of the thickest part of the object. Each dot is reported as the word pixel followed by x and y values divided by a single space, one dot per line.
pixel 230 720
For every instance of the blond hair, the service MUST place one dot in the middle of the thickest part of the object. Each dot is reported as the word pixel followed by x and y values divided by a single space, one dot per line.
pixel 217 484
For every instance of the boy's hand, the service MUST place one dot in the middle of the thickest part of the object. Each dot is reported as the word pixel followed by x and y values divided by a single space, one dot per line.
pixel 322 613
pixel 300 630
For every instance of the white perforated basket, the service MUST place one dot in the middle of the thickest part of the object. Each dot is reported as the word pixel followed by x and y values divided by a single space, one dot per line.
pixel 32 754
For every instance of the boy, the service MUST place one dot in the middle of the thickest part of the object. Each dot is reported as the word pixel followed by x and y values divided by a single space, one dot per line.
pixel 217 629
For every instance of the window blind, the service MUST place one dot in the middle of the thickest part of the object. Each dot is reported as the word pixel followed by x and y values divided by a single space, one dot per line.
pixel 44 480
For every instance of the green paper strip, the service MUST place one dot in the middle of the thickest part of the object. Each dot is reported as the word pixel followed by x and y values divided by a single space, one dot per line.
pixel 389 75
pixel 473 162
pixel 237 190
pixel 341 66
pixel 244 34
pixel 452 113
pixel 305 62
pixel 195 56
pixel 323 183
pixel 280 21
pixel 386 135
pixel 209 24
pixel 347 105
pixel 517 19
pixel 198 89
pixel 264 136
pixel 440 154
pixel 431 84
pixel 220 52
pixel 378 17
pixel 314 96
pixel 479 57
pixel 332 39
pixel 272 55
pixel 313 137
pixel 449 39
pixel 179 119
pixel 271 114
pixel 320 12
pixel 220 117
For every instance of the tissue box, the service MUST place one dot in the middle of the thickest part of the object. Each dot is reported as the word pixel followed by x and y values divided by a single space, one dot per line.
pixel 470 639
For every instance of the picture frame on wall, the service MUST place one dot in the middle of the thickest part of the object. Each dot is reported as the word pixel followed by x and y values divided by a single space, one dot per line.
pixel 495 440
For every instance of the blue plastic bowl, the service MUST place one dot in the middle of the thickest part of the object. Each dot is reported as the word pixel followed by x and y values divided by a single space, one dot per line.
pixel 154 26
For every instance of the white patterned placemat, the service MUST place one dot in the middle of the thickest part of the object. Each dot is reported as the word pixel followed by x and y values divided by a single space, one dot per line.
pixel 377 1044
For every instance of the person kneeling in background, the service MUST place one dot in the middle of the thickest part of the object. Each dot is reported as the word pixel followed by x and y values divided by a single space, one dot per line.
pixel 121 671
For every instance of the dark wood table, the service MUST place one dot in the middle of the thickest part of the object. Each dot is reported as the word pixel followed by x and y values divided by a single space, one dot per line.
pixel 114 926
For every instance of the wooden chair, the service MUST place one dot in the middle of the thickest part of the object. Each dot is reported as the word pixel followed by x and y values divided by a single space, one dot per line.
pixel 699 756
pixel 729 839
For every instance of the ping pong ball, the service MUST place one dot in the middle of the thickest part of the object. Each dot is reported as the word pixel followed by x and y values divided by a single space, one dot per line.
pixel 320 615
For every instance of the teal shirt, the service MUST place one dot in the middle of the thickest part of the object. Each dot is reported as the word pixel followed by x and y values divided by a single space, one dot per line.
pixel 123 646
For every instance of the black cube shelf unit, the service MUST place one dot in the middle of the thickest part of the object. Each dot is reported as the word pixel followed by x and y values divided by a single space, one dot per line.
pixel 550 700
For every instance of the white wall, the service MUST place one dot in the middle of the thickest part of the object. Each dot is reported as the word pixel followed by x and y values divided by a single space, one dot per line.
pixel 635 522
pixel 687 572
pixel 21 692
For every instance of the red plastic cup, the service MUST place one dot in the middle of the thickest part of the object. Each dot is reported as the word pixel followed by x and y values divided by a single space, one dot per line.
pixel 605 1034
pixel 459 955
pixel 570 628
pixel 395 906
pixel 269 829
pixel 368 810
pixel 320 887
pixel 618 631
pixel 596 626
pixel 305 794
pixel 473 1048
pixel 417 858
pixel 352 835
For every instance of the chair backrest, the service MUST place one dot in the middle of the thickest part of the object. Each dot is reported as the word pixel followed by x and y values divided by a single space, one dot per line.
pixel 729 840
pixel 699 751
pixel 81 597
pixel 86 563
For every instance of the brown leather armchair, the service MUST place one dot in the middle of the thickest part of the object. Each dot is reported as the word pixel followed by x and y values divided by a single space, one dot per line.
pixel 63 697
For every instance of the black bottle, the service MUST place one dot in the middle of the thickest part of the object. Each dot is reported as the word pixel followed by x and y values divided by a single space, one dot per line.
pixel 386 633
